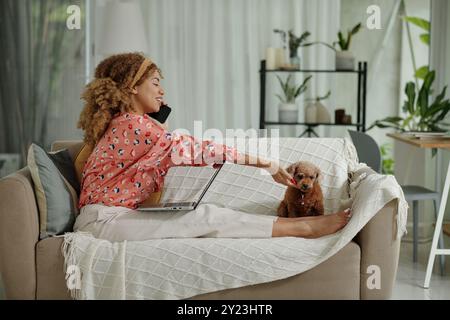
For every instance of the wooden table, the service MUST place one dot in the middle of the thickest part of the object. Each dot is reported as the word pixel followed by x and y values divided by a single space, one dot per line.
pixel 438 144
pixel 421 143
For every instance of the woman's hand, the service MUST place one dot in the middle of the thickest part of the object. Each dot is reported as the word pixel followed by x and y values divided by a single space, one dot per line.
pixel 280 175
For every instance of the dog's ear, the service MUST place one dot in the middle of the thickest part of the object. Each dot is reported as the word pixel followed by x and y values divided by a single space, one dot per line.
pixel 291 169
pixel 318 174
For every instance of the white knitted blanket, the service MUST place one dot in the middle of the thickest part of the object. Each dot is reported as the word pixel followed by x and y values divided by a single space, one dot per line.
pixel 182 268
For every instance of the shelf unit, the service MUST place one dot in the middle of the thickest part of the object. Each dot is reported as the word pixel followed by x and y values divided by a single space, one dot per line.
pixel 360 123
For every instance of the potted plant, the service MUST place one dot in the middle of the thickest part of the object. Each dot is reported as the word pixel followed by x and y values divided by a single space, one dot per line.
pixel 344 57
pixel 315 111
pixel 288 111
pixel 294 43
pixel 420 115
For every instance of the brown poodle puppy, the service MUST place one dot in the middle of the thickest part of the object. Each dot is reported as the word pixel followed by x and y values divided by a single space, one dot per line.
pixel 306 199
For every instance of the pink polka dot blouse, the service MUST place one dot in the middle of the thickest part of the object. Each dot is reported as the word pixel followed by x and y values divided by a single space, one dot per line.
pixel 131 159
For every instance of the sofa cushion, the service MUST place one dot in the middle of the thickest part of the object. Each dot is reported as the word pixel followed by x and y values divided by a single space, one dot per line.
pixel 57 198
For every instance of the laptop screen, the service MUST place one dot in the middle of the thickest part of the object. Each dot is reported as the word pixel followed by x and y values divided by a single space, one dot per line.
pixel 208 184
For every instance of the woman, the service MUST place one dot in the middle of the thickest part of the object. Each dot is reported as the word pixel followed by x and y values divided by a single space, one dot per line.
pixel 132 153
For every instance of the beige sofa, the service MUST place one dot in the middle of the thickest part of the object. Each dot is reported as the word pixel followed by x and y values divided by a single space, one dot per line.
pixel 33 268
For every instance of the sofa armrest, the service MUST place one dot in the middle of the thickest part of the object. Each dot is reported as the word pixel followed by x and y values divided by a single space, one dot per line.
pixel 19 233
pixel 379 247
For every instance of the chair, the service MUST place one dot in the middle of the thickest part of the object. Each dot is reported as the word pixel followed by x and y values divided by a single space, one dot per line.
pixel 369 153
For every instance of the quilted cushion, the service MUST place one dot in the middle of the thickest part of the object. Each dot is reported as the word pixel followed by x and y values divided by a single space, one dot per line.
pixel 253 190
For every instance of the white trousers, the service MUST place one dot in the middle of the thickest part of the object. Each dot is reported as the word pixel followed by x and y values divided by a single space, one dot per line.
pixel 211 221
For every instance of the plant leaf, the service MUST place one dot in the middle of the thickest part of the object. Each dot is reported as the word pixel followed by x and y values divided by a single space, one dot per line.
pixel 421 72
pixel 342 42
pixel 436 106
pixel 349 39
pixel 410 90
pixel 424 93
pixel 425 38
pixel 350 34
pixel 326 96
pixel 421 23
pixel 288 80
pixel 445 110
pixel 392 119
pixel 302 88
pixel 356 29
pixel 303 37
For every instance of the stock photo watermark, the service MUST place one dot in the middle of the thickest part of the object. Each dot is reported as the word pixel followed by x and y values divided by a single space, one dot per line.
pixel 73 21
pixel 262 144
pixel 374 280
pixel 373 22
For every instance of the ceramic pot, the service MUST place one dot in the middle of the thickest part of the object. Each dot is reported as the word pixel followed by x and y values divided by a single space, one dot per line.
pixel 323 116
pixel 311 113
pixel 345 60
pixel 288 112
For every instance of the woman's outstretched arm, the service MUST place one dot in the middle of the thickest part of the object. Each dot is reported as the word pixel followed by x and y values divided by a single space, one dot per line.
pixel 278 173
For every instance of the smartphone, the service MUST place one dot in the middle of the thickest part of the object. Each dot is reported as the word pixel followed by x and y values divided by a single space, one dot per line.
pixel 162 115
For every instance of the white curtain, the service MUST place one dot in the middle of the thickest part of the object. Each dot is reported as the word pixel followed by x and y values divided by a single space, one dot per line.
pixel 440 43
pixel 210 52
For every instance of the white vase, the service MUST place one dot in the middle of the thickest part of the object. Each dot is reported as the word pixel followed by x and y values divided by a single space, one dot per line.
pixel 288 112
pixel 323 116
pixel 345 60
pixel 311 113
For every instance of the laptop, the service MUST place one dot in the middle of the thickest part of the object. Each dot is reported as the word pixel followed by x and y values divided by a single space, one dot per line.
pixel 180 206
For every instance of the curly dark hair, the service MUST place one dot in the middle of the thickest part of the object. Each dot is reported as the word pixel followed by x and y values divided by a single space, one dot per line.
pixel 108 94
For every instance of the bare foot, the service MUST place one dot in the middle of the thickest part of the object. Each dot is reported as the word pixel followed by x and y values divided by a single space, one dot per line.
pixel 311 227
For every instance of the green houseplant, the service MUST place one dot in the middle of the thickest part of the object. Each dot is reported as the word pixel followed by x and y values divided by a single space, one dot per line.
pixel 344 57
pixel 420 114
pixel 288 110
pixel 294 43
pixel 344 42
